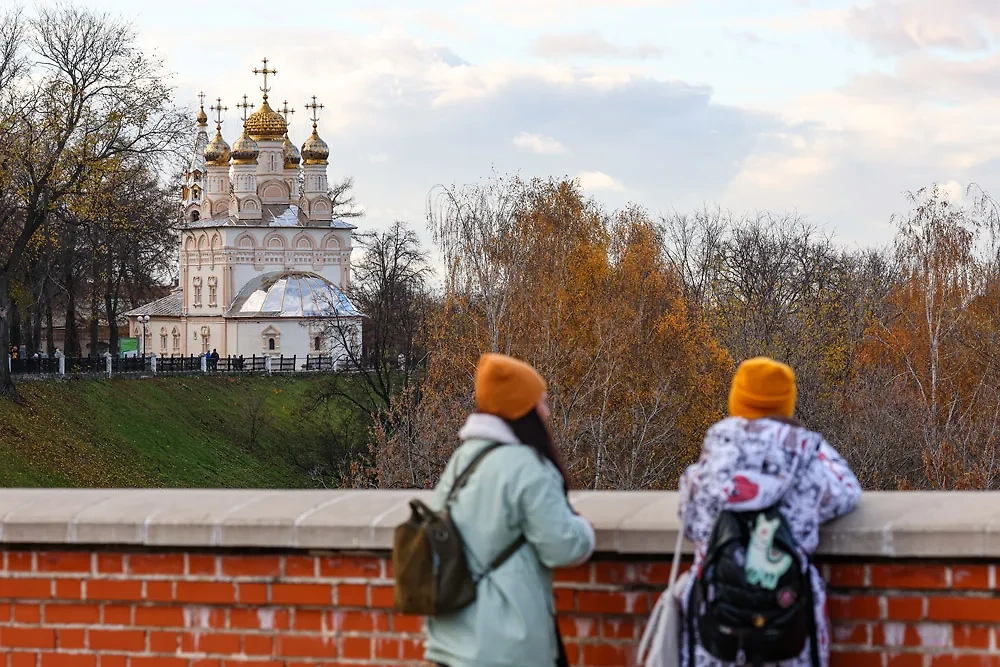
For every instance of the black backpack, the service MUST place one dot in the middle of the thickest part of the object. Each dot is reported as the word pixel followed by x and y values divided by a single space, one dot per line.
pixel 763 616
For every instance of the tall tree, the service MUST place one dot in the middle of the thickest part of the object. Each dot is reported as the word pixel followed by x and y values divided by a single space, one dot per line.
pixel 94 96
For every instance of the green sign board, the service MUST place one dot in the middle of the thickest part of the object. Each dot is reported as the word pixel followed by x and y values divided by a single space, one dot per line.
pixel 128 347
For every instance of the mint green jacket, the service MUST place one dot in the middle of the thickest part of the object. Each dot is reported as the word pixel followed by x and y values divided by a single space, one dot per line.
pixel 512 492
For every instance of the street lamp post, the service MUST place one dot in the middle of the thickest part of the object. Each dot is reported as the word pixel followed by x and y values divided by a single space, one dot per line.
pixel 144 320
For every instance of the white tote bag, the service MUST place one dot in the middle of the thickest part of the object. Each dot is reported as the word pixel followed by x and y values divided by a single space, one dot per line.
pixel 660 643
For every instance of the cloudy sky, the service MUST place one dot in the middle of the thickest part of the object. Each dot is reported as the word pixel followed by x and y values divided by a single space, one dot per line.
pixel 828 108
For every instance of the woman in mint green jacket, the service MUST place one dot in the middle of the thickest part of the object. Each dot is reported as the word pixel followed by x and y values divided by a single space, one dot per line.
pixel 517 490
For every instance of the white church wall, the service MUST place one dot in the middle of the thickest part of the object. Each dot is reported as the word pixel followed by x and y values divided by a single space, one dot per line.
pixel 257 250
pixel 290 338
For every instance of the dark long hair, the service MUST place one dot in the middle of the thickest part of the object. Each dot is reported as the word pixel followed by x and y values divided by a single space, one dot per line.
pixel 532 431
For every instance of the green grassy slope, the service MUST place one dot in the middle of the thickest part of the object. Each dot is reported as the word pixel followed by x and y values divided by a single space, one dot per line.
pixel 169 432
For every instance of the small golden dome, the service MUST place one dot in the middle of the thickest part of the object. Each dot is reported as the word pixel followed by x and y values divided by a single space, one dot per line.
pixel 217 150
pixel 202 117
pixel 315 150
pixel 266 124
pixel 292 155
pixel 245 150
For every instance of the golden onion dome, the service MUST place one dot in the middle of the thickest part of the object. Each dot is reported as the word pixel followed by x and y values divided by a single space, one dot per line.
pixel 217 150
pixel 202 117
pixel 266 124
pixel 245 150
pixel 292 155
pixel 315 150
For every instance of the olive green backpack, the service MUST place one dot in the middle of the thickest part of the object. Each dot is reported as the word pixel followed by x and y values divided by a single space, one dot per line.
pixel 431 572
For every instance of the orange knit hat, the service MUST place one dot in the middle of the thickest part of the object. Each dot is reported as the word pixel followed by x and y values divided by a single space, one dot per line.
pixel 762 387
pixel 506 387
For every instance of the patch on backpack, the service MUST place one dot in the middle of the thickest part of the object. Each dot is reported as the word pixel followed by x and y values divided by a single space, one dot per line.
pixel 765 564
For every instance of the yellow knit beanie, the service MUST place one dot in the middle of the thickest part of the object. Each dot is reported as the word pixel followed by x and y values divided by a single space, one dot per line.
pixel 506 387
pixel 762 387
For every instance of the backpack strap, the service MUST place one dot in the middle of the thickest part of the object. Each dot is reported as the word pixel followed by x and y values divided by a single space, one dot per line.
pixel 464 476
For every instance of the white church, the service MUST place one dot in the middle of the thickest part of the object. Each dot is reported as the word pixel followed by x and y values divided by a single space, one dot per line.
pixel 263 263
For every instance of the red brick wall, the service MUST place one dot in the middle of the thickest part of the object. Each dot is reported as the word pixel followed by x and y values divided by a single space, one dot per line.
pixel 115 609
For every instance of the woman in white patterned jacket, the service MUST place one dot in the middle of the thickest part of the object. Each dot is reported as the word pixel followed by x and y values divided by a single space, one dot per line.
pixel 756 458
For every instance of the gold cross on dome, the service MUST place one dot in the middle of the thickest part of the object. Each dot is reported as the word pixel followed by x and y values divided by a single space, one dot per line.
pixel 201 99
pixel 285 110
pixel 218 109
pixel 265 72
pixel 244 105
pixel 315 109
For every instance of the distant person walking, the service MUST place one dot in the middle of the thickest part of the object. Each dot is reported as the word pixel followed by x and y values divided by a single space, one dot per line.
pixel 514 501
pixel 752 505
pixel 213 360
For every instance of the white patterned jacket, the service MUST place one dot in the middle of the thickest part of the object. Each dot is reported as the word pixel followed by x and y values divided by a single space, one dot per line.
pixel 751 465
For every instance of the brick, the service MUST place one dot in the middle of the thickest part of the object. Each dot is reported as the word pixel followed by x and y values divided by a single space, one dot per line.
pixel 612 602
pixel 565 599
pixel 356 648
pixel 250 566
pixel 619 628
pixel 904 660
pixel 71 639
pixel 258 645
pixel 159 617
pixel 110 563
pixel 388 648
pixel 413 649
pixel 970 636
pixel 112 661
pixel 900 576
pixel 847 576
pixel 163 641
pixel 79 562
pixel 68 660
pixel 860 607
pixel 68 589
pixel 855 659
pixel 116 640
pixel 984 610
pixel 309 620
pixel 352 595
pixel 301 567
pixel 605 655
pixel 205 592
pixel 302 594
pixel 970 577
pixel 23 660
pixel 905 608
pixel 577 575
pixel 72 614
pixel 211 643
pixel 156 564
pixel 109 590
pixel 25 589
pixel 202 565
pixel 27 637
pixel 579 626
pixel 20 561
pixel 160 591
pixel 894 634
pixel 849 633
pixel 293 646
pixel 961 660
pixel 350 567
pixel 253 594
pixel 383 597
pixel 116 614
pixel 27 614
pixel 259 619
pixel 156 661
pixel 401 623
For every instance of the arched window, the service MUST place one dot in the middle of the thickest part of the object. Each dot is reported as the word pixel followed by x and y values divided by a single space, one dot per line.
pixel 317 343
pixel 195 215
pixel 270 343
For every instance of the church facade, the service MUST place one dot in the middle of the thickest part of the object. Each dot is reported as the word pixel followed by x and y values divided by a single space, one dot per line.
pixel 263 263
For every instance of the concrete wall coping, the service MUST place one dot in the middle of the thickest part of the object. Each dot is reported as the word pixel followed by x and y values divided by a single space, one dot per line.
pixel 886 524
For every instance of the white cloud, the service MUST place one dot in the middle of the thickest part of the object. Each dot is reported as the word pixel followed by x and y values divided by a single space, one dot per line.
pixel 589 44
pixel 899 26
pixel 538 144
pixel 599 181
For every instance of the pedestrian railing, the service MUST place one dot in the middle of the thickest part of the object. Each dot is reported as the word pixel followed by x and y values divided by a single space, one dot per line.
pixel 107 365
